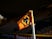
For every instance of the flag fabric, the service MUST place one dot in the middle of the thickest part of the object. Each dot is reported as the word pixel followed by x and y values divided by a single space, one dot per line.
pixel 24 22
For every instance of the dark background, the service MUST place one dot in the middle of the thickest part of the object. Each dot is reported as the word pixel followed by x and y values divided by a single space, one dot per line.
pixel 17 7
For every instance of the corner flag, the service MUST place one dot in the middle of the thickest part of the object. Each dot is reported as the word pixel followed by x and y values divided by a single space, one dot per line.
pixel 24 22
pixel 27 20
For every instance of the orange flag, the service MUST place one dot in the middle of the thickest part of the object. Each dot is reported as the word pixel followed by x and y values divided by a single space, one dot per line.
pixel 24 22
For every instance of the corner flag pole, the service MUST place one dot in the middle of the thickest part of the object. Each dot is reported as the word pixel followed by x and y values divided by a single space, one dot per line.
pixel 33 24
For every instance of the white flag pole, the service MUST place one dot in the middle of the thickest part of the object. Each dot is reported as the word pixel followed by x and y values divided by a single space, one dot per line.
pixel 33 25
